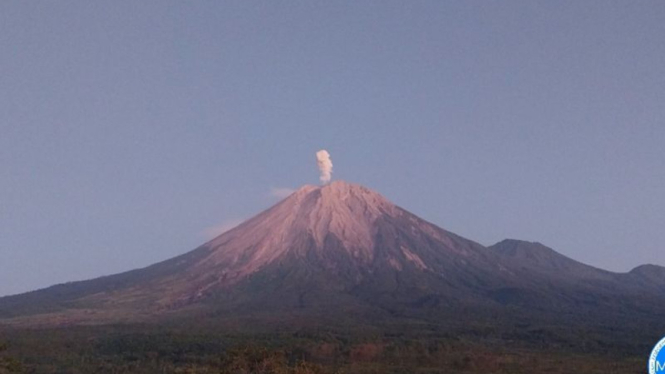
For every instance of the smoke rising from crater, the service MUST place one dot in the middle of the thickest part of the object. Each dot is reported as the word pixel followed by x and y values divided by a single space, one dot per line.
pixel 325 165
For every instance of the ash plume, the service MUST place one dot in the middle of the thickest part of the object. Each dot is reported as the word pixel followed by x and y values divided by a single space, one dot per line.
pixel 325 165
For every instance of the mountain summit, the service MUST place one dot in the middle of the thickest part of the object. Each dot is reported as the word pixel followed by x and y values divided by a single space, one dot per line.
pixel 330 249
pixel 304 224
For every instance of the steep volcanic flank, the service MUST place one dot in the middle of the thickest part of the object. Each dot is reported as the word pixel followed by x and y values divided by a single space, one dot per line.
pixel 341 237
pixel 348 213
pixel 337 225
pixel 337 247
pixel 339 241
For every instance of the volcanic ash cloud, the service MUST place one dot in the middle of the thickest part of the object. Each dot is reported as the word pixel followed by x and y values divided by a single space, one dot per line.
pixel 325 165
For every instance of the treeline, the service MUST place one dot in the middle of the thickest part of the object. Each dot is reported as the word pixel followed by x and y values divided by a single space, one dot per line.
pixel 416 348
pixel 144 353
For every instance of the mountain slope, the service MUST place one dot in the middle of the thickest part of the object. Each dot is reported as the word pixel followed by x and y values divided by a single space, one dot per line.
pixel 340 238
pixel 540 259
pixel 334 249
pixel 649 277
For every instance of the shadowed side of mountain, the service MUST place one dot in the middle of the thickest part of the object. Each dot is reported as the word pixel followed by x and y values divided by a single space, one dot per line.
pixel 580 284
pixel 537 258
pixel 649 276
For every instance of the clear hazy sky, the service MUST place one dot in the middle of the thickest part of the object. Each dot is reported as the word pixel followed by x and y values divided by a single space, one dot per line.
pixel 131 130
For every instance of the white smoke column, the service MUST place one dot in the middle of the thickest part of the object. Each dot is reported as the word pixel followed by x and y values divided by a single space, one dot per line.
pixel 325 165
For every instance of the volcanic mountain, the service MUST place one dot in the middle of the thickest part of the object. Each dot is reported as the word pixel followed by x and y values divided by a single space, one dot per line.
pixel 338 250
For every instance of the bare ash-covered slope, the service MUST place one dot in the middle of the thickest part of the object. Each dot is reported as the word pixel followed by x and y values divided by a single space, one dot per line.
pixel 339 247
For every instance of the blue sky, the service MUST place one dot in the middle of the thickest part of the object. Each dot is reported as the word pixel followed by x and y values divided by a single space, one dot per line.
pixel 131 131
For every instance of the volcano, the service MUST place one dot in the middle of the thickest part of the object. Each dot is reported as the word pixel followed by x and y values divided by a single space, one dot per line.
pixel 344 251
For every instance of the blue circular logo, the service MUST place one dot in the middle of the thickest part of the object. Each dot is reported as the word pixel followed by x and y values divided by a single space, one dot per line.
pixel 657 358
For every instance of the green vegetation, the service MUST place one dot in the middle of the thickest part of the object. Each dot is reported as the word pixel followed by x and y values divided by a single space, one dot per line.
pixel 8 364
pixel 153 349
